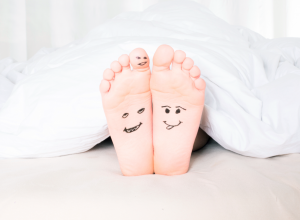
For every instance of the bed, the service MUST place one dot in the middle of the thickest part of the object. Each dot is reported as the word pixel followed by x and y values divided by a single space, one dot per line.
pixel 51 118
pixel 219 185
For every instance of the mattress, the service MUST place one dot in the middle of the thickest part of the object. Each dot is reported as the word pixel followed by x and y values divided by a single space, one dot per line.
pixel 220 184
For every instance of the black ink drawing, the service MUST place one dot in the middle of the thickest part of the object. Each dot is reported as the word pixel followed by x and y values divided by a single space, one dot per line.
pixel 169 127
pixel 125 115
pixel 180 107
pixel 129 130
pixel 141 110
pixel 142 63
pixel 167 110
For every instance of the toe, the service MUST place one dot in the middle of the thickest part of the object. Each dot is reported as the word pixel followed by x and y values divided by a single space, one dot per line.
pixel 104 86
pixel 187 64
pixel 200 84
pixel 124 61
pixel 116 67
pixel 108 74
pixel 163 57
pixel 179 57
pixel 195 72
pixel 139 59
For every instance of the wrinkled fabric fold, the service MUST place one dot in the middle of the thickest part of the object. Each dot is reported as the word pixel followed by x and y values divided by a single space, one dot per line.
pixel 54 107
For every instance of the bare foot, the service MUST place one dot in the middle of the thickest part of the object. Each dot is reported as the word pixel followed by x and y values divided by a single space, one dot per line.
pixel 178 100
pixel 127 104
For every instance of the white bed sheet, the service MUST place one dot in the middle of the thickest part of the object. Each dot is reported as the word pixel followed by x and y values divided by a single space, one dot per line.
pixel 220 185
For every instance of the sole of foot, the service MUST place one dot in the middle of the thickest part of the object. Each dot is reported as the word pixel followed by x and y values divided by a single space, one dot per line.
pixel 178 100
pixel 127 104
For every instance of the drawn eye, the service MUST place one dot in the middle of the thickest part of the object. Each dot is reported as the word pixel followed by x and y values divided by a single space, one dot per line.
pixel 125 115
pixel 138 57
pixel 177 111
pixel 141 110
pixel 167 110
pixel 145 58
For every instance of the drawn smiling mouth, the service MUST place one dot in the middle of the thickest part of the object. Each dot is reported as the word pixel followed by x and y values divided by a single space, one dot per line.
pixel 142 63
pixel 129 130
pixel 171 126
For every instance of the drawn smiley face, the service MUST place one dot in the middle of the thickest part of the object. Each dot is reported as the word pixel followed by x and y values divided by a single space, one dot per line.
pixel 139 59
pixel 143 60
pixel 132 129
pixel 168 110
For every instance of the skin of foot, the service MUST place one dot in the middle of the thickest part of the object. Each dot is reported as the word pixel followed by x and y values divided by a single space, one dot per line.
pixel 127 104
pixel 178 100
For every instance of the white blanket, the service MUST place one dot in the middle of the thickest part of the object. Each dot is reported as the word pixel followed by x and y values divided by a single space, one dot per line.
pixel 252 104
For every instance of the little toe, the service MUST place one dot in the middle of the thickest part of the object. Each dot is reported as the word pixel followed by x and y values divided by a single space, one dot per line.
pixel 195 72
pixel 104 86
pixel 108 74
pixel 187 64
pixel 163 57
pixel 124 61
pixel 200 84
pixel 179 57
pixel 116 67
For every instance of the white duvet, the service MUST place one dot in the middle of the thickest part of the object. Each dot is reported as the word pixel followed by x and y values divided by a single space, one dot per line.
pixel 51 105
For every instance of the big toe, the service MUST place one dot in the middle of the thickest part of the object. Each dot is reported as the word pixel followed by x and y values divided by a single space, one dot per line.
pixel 139 59
pixel 163 57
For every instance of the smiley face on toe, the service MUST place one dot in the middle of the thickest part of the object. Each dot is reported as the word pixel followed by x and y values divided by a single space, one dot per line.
pixel 142 63
pixel 168 110
pixel 132 129
pixel 139 59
